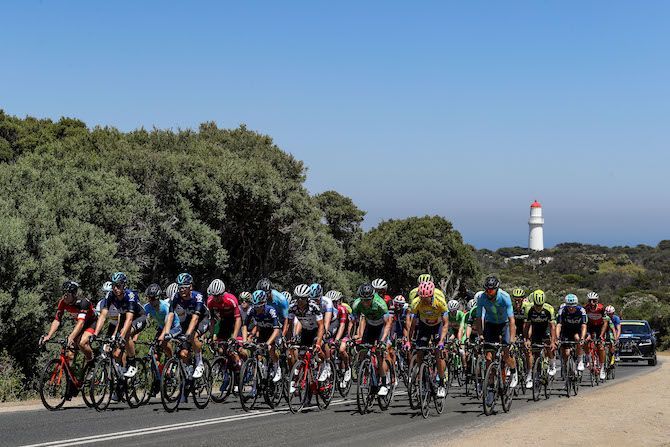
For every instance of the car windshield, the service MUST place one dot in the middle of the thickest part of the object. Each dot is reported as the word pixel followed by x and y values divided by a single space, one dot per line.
pixel 635 328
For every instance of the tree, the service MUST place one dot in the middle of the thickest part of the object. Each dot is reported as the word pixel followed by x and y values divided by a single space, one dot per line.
pixel 342 217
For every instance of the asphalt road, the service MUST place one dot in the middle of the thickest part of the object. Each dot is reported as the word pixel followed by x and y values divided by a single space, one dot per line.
pixel 227 424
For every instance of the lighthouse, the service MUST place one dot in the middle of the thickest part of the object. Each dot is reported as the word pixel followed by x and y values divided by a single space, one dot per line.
pixel 535 223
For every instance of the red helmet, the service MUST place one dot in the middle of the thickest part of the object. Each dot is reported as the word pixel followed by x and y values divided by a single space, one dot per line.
pixel 426 289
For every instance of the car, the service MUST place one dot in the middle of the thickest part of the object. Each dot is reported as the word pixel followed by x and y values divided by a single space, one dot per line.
pixel 637 342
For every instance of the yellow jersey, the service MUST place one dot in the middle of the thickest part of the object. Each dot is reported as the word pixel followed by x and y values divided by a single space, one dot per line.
pixel 429 314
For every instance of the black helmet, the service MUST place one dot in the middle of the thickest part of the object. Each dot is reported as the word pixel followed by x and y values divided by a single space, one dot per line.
pixel 153 291
pixel 70 287
pixel 491 282
pixel 366 291
pixel 265 285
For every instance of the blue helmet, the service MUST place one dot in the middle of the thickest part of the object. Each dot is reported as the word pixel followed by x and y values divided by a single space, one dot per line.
pixel 315 291
pixel 119 278
pixel 184 279
pixel 259 297
pixel 571 299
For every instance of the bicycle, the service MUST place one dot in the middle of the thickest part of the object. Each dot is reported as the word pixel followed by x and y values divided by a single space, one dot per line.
pixel 369 381
pixel 256 377
pixel 610 361
pixel 304 381
pixel 343 386
pixel 593 361
pixel 402 363
pixel 427 382
pixel 541 377
pixel 454 370
pixel 517 351
pixel 569 369
pixel 177 380
pixel 151 367
pixel 58 383
pixel 493 379
pixel 225 369
pixel 476 368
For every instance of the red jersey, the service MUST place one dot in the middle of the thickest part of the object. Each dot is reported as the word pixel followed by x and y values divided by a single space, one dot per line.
pixel 595 314
pixel 225 305
pixel 81 309
pixel 389 300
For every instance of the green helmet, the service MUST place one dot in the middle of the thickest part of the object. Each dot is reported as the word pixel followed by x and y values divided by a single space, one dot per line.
pixel 538 297
pixel 518 293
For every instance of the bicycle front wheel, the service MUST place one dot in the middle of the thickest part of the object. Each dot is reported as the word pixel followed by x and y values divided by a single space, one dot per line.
pixel 202 386
pixel 364 387
pixel 298 384
pixel 222 380
pixel 537 378
pixel 425 388
pixel 326 388
pixel 138 387
pixel 249 383
pixel 53 385
pixel 102 384
pixel 490 384
pixel 172 385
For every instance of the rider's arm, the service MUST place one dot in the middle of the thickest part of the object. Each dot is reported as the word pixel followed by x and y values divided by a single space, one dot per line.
pixel 361 327
pixel 238 325
pixel 583 331
pixel 327 317
pixel 101 320
pixel 388 322
pixel 75 332
pixel 445 324
pixel 512 328
pixel 340 330
pixel 125 330
pixel 319 333
pixel 52 330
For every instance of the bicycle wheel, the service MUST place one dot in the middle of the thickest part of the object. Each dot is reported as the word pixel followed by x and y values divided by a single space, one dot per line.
pixel 425 390
pixel 53 385
pixel 479 371
pixel 364 386
pixel 172 385
pixel 537 378
pixel 569 375
pixel 202 386
pixel 344 386
pixel 153 378
pixel 385 401
pixel 325 389
pixel 506 392
pixel 490 385
pixel 139 386
pixel 413 390
pixel 521 371
pixel 222 380
pixel 249 383
pixel 299 381
pixel 102 385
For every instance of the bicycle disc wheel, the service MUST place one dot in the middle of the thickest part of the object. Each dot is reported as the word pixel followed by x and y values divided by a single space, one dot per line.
pixel 425 389
pixel 364 386
pixel 249 382
pixel 102 384
pixel 138 387
pixel 222 380
pixel 490 385
pixel 172 385
pixel 53 385
pixel 202 386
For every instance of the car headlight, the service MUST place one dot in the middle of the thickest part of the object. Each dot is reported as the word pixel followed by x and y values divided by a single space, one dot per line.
pixel 645 343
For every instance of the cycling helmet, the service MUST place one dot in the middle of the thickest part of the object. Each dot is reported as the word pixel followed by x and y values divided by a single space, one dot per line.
pixel 472 303
pixel 245 297
pixel 287 295
pixel 153 291
pixel 264 284
pixel 259 297
pixel 592 296
pixel 216 287
pixel 301 291
pixel 379 284
pixel 70 287
pixel 453 305
pixel 399 299
pixel 366 292
pixel 518 293
pixel 119 278
pixel 571 299
pixel 184 279
pixel 426 289
pixel 107 287
pixel 491 282
pixel 315 291
pixel 538 297
pixel 609 310
pixel 334 295
pixel 171 290
pixel 425 278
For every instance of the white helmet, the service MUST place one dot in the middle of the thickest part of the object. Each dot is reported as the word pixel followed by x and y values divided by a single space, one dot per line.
pixel 171 290
pixel 216 287
pixel 609 310
pixel 592 296
pixel 399 299
pixel 301 291
pixel 107 287
pixel 379 284
pixel 472 303
pixel 288 296
pixel 334 295
pixel 453 305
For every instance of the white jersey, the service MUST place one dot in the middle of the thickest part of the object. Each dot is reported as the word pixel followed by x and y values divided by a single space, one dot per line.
pixel 112 312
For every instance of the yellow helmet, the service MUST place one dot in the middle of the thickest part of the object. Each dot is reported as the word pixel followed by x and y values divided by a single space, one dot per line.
pixel 518 293
pixel 425 278
pixel 537 297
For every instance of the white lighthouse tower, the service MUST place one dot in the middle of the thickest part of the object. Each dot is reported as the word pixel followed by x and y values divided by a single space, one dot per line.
pixel 535 223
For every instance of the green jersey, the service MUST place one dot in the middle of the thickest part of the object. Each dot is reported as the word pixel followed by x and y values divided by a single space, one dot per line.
pixel 375 314
pixel 456 322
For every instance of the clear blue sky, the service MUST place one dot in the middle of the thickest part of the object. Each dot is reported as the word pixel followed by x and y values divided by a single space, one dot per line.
pixel 469 109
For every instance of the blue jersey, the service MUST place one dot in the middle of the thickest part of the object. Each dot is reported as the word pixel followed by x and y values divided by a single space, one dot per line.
pixel 195 305
pixel 280 305
pixel 263 320
pixel 616 321
pixel 161 314
pixel 129 302
pixel 575 318
pixel 497 311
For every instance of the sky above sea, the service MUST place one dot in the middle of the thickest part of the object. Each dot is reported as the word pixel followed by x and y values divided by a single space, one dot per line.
pixel 469 110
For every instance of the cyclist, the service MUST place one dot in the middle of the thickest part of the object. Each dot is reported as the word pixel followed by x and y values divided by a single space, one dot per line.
pixel 278 302
pixel 158 310
pixel 341 331
pixel 499 325
pixel 540 326
pixel 308 329
pixel 171 290
pixel 112 312
pixel 267 327
pixel 429 313
pixel 195 322
pixel 571 326
pixel 614 330
pixel 374 326
pixel 380 287
pixel 521 303
pixel 329 318
pixel 399 311
pixel 224 309
pixel 456 326
pixel 245 305
pixel 82 310
pixel 596 327
pixel 132 318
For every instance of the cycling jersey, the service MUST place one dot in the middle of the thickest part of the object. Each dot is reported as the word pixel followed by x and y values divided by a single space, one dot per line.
pixel 160 314
pixel 413 295
pixel 520 313
pixel 264 319
pixel 112 312
pixel 375 314
pixel 308 315
pixel 455 322
pixel 342 320
pixel 539 320
pixel 195 305
pixel 129 302
pixel 575 318
pixel 327 306
pixel 280 305
pixel 429 313
pixel 595 315
pixel 347 307
pixel 224 307
pixel 497 311
pixel 81 310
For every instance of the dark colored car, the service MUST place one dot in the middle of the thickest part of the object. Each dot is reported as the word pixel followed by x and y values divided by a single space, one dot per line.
pixel 637 342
